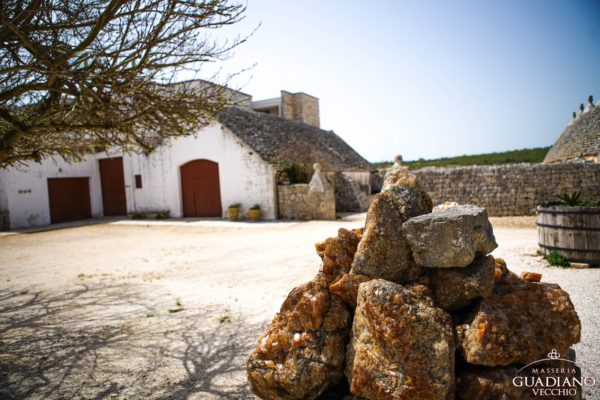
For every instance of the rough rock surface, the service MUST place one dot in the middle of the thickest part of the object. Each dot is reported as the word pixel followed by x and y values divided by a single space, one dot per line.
pixel 520 322
pixel 337 253
pixel 302 351
pixel 454 288
pixel 383 252
pixel 402 346
pixel 531 276
pixel 347 288
pixel 497 383
pixel 450 238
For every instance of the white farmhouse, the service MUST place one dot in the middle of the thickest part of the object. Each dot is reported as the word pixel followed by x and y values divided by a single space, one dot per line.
pixel 236 159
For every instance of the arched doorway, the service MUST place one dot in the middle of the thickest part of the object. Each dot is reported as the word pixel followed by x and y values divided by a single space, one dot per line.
pixel 200 189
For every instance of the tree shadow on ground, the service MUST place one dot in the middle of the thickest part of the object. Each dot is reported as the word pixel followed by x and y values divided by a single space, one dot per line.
pixel 101 340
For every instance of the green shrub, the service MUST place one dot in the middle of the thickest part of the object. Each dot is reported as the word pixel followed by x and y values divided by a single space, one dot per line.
pixel 569 199
pixel 294 173
pixel 557 260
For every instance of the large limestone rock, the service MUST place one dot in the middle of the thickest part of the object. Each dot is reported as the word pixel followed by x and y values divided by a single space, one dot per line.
pixel 302 351
pixel 520 322
pixel 383 252
pixel 450 238
pixel 402 346
pixel 454 288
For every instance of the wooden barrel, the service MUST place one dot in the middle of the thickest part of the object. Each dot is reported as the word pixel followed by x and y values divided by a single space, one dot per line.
pixel 572 232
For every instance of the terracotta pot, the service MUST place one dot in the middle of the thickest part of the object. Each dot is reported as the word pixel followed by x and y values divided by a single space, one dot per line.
pixel 254 215
pixel 233 213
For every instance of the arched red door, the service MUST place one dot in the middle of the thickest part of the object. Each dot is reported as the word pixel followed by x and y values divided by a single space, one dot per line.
pixel 200 189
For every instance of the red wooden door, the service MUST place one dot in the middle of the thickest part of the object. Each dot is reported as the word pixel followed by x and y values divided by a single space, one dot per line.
pixel 112 181
pixel 200 189
pixel 69 199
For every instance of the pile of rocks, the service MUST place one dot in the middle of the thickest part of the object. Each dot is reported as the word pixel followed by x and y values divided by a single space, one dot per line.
pixel 411 307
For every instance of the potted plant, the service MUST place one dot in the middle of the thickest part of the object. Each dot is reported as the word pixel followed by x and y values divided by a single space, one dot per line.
pixel 570 228
pixel 254 212
pixel 233 211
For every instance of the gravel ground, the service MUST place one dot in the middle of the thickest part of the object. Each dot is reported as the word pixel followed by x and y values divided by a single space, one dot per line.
pixel 170 309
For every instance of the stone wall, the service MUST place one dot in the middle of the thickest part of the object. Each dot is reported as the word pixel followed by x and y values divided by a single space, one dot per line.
pixel 512 189
pixel 315 200
pixel 300 107
pixel 350 193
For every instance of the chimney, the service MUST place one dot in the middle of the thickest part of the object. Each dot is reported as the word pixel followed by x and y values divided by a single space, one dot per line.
pixel 300 107
pixel 590 103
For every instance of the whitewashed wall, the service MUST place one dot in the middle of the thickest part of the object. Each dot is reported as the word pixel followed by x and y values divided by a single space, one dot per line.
pixel 244 177
pixel 360 177
pixel 25 189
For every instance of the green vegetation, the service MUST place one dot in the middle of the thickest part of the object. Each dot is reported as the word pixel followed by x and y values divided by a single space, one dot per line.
pixel 569 199
pixel 225 316
pixel 294 173
pixel 557 260
pixel 535 155
pixel 572 200
pixel 179 307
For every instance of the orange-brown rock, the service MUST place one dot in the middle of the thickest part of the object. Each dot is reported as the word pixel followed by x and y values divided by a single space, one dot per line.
pixel 454 288
pixel 302 351
pixel 383 252
pixel 347 288
pixel 402 346
pixel 531 276
pixel 337 252
pixel 500 265
pixel 520 322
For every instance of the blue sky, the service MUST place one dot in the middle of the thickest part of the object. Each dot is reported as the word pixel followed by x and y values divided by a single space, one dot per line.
pixel 427 78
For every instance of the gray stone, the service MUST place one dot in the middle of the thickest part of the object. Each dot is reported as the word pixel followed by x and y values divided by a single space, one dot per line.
pixel 454 288
pixel 402 346
pixel 450 238
pixel 383 252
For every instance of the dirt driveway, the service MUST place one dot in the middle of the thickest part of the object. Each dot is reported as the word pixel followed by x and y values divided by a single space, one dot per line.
pixel 169 310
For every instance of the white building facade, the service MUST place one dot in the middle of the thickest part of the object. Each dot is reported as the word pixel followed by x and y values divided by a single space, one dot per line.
pixel 151 183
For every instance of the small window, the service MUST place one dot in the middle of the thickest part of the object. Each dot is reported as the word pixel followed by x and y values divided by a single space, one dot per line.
pixel 138 181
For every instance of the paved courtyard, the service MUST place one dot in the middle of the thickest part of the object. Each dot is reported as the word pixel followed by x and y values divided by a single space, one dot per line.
pixel 170 309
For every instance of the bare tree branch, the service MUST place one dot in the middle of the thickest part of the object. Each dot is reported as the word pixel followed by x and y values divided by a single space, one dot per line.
pixel 80 75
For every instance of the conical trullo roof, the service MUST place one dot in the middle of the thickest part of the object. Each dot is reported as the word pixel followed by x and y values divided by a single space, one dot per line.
pixel 580 140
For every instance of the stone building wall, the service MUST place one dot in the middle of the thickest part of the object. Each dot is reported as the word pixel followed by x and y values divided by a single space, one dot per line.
pixel 315 200
pixel 300 107
pixel 350 193
pixel 581 139
pixel 296 203
pixel 511 189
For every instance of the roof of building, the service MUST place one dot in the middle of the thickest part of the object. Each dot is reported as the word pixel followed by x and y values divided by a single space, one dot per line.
pixel 280 141
pixel 581 139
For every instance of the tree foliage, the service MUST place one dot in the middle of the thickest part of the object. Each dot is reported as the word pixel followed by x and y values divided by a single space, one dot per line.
pixel 77 76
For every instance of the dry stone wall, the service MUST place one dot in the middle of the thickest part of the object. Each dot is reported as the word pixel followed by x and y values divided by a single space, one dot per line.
pixel 511 189
pixel 315 200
